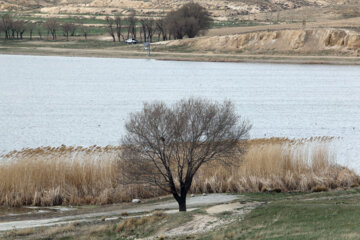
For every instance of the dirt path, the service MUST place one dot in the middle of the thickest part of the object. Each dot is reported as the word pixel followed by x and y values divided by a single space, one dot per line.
pixel 197 201
pixel 211 220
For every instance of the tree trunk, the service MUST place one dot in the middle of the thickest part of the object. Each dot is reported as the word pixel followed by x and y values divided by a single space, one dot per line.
pixel 182 198
pixel 182 204
pixel 134 32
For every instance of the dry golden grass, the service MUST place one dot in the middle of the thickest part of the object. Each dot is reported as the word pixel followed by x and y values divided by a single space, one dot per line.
pixel 71 227
pixel 19 233
pixel 68 175
pixel 131 224
pixel 99 229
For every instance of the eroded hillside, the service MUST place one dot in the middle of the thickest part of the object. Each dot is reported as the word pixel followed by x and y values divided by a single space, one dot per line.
pixel 312 41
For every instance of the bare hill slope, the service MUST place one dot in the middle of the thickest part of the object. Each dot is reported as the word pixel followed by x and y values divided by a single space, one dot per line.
pixel 312 41
pixel 216 6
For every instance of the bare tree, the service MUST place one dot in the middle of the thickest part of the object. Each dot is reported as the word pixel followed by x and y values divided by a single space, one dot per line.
pixel 175 25
pixel 148 27
pixel 73 29
pixel 189 20
pixel 118 23
pixel 21 28
pixel 165 146
pixel 161 29
pixel 18 29
pixel 84 31
pixel 31 26
pixel 6 23
pixel 143 28
pixel 13 29
pixel 132 25
pixel 51 25
pixel 110 27
pixel 68 29
pixel 195 15
pixel 192 27
pixel 39 30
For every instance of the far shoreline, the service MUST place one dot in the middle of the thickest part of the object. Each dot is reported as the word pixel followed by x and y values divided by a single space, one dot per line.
pixel 191 57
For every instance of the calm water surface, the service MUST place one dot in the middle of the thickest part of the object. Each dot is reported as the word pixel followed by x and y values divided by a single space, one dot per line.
pixel 85 101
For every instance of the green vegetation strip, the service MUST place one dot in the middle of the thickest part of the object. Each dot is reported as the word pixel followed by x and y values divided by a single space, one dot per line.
pixel 331 215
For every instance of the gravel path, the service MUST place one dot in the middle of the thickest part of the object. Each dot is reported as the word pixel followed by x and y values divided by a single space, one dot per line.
pixel 197 201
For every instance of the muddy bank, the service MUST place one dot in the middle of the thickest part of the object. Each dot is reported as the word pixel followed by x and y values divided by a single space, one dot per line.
pixel 194 56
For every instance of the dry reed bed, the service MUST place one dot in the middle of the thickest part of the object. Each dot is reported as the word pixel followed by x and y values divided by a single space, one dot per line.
pixel 69 175
pixel 64 175
pixel 279 164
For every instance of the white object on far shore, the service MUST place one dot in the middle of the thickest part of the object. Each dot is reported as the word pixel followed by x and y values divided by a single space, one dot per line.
pixel 136 200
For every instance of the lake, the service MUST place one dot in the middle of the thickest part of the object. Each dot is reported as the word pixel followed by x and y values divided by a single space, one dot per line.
pixel 86 101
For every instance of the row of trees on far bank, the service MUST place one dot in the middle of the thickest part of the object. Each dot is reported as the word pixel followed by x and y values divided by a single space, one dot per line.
pixel 190 20
pixel 15 29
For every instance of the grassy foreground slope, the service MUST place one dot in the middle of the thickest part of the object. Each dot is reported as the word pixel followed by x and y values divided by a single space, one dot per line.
pixel 331 215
